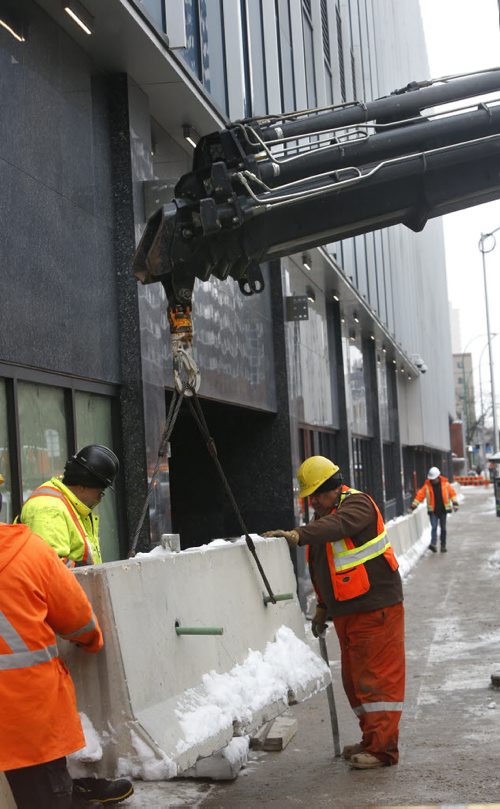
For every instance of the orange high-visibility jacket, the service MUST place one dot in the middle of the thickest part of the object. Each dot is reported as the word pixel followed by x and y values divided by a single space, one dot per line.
pixel 39 598
pixel 346 560
pixel 449 495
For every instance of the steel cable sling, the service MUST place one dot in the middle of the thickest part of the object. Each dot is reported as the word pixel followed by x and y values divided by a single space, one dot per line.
pixel 173 412
pixel 195 407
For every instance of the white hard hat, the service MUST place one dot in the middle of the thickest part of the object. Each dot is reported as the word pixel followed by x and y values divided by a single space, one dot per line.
pixel 433 473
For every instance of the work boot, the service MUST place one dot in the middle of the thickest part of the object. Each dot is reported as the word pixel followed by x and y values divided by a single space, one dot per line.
pixel 432 548
pixel 351 750
pixel 443 549
pixel 365 761
pixel 103 790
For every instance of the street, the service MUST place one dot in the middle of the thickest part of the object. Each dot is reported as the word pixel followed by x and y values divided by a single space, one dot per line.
pixel 451 723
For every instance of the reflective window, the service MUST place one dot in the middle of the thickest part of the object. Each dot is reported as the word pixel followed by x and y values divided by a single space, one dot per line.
pixel 191 53
pixel 205 51
pixel 256 64
pixel 309 59
pixel 285 55
pixel 6 512
pixel 94 426
pixel 383 399
pixel 42 429
pixel 355 385
pixel 155 10
pixel 213 50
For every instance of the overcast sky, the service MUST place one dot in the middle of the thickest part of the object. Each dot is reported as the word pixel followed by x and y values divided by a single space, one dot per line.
pixel 464 36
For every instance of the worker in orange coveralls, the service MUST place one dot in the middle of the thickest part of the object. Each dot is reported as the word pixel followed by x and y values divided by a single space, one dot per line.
pixel 39 721
pixel 441 498
pixel 355 576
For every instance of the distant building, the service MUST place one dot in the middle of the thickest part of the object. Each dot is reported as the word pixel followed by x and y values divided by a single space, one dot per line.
pixel 465 400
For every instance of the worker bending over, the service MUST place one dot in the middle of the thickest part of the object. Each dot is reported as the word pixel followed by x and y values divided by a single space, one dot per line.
pixel 355 576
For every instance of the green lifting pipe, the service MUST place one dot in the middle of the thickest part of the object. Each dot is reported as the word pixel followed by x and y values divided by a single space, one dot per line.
pixel 199 630
pixel 282 597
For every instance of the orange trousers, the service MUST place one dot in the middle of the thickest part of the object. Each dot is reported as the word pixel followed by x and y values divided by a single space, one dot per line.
pixel 373 675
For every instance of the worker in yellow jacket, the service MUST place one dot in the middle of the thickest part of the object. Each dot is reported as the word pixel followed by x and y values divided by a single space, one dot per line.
pixel 61 510
pixel 441 499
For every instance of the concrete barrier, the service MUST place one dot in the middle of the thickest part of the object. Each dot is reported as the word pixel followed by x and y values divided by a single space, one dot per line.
pixel 6 799
pixel 404 532
pixel 136 692
pixel 139 690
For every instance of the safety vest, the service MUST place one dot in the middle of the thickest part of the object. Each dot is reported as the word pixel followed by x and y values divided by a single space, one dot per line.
pixel 346 561
pixel 447 491
pixel 80 534
pixel 39 598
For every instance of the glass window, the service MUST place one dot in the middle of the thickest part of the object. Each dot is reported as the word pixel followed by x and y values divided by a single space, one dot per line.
pixel 285 56
pixel 340 46
pixel 213 50
pixel 94 426
pixel 154 9
pixel 257 68
pixel 309 60
pixel 42 430
pixel 383 400
pixel 191 53
pixel 6 512
pixel 356 388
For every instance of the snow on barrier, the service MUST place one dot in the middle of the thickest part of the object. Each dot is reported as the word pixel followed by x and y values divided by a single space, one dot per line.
pixel 154 701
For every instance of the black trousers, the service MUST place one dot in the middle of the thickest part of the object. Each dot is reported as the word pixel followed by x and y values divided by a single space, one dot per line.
pixel 43 786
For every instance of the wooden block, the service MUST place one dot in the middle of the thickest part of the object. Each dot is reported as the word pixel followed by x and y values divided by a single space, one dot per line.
pixel 282 731
pixel 258 739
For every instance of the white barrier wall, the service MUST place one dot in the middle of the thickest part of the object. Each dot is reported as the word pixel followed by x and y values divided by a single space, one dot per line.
pixel 132 689
pixel 139 690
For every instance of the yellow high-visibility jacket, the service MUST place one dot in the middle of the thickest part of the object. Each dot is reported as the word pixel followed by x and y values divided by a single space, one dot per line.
pixel 61 519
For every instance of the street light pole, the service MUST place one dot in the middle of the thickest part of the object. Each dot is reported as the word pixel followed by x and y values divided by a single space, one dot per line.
pixel 482 416
pixel 483 250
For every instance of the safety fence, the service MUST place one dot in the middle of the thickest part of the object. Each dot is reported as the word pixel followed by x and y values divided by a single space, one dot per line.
pixel 472 480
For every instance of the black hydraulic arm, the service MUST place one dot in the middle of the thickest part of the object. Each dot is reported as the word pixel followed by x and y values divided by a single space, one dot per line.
pixel 268 187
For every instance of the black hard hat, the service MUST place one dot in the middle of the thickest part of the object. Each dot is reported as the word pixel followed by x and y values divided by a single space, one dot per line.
pixel 92 466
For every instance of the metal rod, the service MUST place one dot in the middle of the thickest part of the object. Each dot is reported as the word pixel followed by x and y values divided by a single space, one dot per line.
pixel 199 630
pixel 281 597
pixel 492 376
pixel 331 699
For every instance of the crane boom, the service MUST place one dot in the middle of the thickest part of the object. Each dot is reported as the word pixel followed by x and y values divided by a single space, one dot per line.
pixel 267 187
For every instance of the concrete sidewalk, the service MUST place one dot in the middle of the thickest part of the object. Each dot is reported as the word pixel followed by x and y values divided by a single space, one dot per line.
pixel 451 724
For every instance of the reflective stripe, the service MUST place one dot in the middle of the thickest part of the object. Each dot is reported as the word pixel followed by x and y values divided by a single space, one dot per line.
pixel 10 635
pixel 373 707
pixel 49 491
pixel 345 558
pixel 21 657
pixel 24 660
pixel 87 628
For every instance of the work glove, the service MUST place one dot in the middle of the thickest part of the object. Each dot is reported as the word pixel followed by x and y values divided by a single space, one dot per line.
pixel 292 537
pixel 455 507
pixel 318 623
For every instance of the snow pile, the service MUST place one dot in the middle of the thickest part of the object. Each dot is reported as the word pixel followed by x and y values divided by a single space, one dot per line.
pixel 223 765
pixel 87 755
pixel 286 664
pixel 146 764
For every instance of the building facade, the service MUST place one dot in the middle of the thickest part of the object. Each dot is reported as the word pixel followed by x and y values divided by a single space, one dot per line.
pixel 97 127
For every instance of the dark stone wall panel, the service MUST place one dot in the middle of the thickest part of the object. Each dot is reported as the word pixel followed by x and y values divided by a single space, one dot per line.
pixel 56 207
